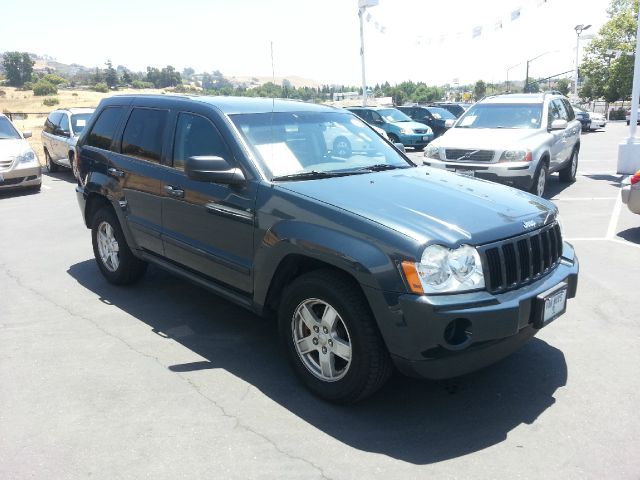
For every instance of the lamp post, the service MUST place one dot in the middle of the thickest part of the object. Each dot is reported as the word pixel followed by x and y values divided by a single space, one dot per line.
pixel 362 7
pixel 579 29
pixel 526 78
pixel 508 85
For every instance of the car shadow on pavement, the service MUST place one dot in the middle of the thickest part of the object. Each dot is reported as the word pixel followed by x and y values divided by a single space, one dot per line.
pixel 554 187
pixel 64 174
pixel 18 192
pixel 413 420
pixel 631 235
pixel 614 180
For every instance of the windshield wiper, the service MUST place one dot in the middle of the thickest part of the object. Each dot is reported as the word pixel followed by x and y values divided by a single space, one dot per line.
pixel 313 175
pixel 379 167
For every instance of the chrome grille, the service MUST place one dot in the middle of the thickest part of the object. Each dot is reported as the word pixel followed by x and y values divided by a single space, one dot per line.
pixel 5 163
pixel 520 260
pixel 461 155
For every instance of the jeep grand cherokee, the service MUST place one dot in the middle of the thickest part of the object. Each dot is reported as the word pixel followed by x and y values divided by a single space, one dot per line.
pixel 367 260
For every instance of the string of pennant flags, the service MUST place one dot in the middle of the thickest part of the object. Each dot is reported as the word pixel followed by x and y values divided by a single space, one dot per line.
pixel 495 26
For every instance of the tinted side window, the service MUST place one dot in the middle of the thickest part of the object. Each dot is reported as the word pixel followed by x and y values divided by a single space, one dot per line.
pixel 375 117
pixel 570 113
pixel 105 127
pixel 143 135
pixel 52 122
pixel 561 109
pixel 196 136
pixel 64 122
pixel 554 113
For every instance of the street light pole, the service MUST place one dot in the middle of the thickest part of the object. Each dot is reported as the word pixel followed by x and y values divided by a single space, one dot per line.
pixel 526 79
pixel 362 7
pixel 579 29
pixel 508 85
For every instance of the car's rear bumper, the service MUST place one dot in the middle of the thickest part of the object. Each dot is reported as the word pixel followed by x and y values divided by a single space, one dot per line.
pixel 21 178
pixel 418 331
pixel 416 140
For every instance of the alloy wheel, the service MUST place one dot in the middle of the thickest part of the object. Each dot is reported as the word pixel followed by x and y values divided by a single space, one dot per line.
pixel 108 247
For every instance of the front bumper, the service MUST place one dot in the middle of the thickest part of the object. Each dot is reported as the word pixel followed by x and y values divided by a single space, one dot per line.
pixel 631 197
pixel 21 177
pixel 415 140
pixel 497 325
pixel 513 174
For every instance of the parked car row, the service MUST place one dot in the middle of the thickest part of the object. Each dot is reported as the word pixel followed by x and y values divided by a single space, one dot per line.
pixel 589 120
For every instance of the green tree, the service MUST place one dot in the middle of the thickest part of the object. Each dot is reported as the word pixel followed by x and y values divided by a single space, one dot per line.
pixel 607 67
pixel 98 77
pixel 126 77
pixel 531 86
pixel 562 86
pixel 18 67
pixel 479 90
pixel 111 76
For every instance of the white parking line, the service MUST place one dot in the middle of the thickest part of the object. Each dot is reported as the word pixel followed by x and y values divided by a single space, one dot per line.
pixel 580 199
pixel 615 215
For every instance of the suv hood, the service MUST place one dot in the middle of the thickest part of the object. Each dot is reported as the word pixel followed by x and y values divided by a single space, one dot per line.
pixel 488 138
pixel 432 205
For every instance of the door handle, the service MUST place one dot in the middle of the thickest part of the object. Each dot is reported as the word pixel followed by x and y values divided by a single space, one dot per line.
pixel 114 172
pixel 174 191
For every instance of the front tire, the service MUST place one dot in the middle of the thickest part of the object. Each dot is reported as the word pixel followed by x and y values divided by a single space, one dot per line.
pixel 568 173
pixel 115 260
pixel 51 166
pixel 331 338
pixel 540 179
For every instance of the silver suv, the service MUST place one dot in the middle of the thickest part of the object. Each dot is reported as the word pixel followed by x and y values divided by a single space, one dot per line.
pixel 514 139
pixel 60 134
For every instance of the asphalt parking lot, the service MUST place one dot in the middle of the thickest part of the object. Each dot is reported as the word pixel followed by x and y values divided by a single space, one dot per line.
pixel 164 380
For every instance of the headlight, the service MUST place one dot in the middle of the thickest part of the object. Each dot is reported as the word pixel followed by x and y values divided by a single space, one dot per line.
pixel 27 157
pixel 445 270
pixel 406 131
pixel 431 151
pixel 516 156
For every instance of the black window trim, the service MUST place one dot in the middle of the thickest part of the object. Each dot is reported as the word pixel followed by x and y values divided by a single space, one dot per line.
pixel 114 146
pixel 117 146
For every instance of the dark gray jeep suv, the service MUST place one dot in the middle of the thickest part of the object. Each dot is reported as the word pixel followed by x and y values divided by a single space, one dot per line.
pixel 367 260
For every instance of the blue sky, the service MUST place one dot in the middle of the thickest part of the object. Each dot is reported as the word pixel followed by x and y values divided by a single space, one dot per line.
pixel 422 40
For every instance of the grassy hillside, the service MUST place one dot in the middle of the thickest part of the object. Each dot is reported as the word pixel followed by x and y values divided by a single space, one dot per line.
pixel 24 101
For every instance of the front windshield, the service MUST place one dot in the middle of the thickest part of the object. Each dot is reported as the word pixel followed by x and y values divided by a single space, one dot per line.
pixel 7 130
pixel 79 121
pixel 506 115
pixel 298 143
pixel 441 113
pixel 393 115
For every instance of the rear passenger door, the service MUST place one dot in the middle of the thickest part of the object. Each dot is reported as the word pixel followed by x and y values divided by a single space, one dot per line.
pixel 207 227
pixel 51 125
pixel 61 145
pixel 137 167
pixel 559 141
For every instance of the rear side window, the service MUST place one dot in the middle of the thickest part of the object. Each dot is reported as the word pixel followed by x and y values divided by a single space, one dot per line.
pixel 105 128
pixel 196 136
pixel 64 123
pixel 144 133
pixel 52 122
pixel 570 113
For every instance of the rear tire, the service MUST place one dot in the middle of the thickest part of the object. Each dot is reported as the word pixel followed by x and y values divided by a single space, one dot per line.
pixel 393 138
pixel 331 338
pixel 51 166
pixel 568 173
pixel 115 260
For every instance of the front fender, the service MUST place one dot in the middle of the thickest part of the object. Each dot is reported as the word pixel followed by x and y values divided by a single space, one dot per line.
pixel 367 263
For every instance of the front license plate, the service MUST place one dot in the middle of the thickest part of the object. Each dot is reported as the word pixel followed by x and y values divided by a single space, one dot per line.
pixel 551 304
pixel 426 139
pixel 468 173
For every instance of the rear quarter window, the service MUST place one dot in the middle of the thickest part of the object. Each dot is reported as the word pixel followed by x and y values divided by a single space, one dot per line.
pixel 103 131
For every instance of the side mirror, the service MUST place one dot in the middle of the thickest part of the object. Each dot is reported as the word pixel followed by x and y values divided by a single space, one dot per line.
pixel 212 169
pixel 27 134
pixel 400 147
pixel 63 133
pixel 559 125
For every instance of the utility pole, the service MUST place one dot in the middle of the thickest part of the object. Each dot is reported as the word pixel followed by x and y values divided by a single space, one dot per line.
pixel 579 29
pixel 362 8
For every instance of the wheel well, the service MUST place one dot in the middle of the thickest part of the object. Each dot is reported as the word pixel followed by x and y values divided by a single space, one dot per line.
pixel 71 154
pixel 290 268
pixel 94 203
